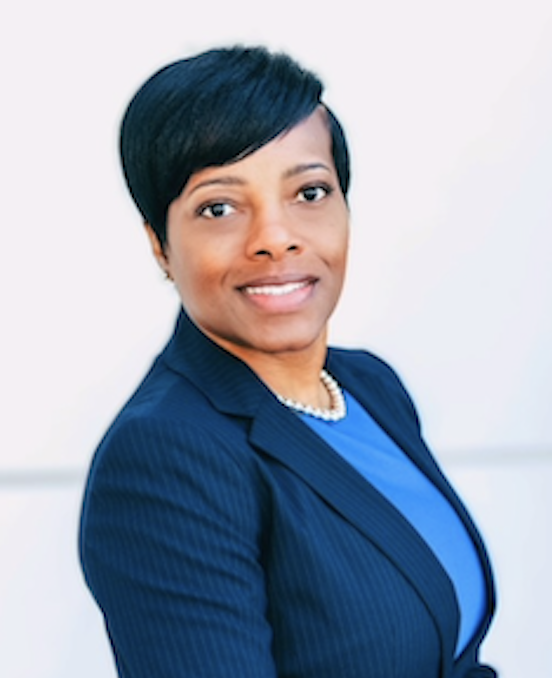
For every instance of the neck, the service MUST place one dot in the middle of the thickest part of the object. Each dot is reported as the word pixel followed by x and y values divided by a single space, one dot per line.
pixel 298 380
pixel 293 374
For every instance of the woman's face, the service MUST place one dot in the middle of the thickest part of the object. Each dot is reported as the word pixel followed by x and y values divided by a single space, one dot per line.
pixel 258 248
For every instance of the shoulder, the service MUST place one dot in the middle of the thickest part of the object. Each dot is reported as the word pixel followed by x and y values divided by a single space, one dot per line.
pixel 170 458
pixel 172 405
pixel 168 429
pixel 362 371
pixel 361 364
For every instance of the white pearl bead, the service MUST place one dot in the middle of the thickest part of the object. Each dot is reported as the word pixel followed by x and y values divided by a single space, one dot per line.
pixel 338 408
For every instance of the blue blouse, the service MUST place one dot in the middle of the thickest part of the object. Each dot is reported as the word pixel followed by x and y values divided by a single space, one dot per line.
pixel 364 444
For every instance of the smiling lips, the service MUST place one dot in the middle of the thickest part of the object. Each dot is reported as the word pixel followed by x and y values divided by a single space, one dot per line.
pixel 277 290
pixel 278 297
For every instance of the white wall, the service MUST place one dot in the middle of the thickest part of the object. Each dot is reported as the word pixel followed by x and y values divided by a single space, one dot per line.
pixel 448 109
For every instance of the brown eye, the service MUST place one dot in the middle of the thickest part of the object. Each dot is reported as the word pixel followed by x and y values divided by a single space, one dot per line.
pixel 216 210
pixel 313 193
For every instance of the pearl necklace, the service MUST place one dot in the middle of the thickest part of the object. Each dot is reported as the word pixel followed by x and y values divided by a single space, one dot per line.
pixel 335 412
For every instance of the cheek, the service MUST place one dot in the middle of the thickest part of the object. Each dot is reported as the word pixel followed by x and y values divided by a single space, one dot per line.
pixel 193 278
pixel 199 275
pixel 341 260
pixel 340 244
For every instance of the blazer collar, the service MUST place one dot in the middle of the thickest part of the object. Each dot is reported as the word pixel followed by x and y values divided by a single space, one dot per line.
pixel 233 388
pixel 230 385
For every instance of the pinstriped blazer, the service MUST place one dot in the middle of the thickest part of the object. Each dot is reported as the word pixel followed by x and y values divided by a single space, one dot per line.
pixel 221 537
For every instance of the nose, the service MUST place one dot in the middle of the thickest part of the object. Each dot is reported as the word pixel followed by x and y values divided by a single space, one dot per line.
pixel 272 235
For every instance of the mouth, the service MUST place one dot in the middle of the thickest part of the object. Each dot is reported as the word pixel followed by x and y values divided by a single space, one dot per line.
pixel 276 290
pixel 279 296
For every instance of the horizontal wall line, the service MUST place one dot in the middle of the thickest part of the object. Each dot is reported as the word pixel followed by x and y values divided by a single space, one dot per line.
pixel 70 477
pixel 499 455
pixel 41 478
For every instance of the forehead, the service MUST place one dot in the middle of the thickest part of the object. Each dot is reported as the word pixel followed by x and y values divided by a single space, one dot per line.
pixel 310 135
pixel 306 146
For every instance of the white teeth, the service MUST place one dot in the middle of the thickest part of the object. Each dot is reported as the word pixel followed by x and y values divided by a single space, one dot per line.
pixel 276 290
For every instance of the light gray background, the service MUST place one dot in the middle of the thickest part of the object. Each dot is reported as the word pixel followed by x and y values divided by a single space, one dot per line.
pixel 447 107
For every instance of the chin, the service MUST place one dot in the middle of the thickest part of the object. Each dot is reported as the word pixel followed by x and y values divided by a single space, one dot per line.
pixel 289 341
pixel 271 339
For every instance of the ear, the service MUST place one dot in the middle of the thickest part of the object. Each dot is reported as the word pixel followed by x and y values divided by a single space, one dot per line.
pixel 158 251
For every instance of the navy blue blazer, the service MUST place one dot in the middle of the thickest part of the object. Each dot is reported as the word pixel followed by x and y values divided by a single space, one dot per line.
pixel 222 538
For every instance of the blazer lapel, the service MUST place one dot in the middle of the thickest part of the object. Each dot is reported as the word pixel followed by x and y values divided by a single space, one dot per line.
pixel 282 435
pixel 234 389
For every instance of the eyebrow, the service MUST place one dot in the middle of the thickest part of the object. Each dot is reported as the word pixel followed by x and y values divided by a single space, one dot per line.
pixel 237 181
pixel 220 181
pixel 305 167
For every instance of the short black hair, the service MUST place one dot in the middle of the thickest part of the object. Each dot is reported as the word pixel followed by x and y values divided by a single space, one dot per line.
pixel 210 110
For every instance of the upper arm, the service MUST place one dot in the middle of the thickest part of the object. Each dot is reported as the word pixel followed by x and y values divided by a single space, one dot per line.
pixel 170 548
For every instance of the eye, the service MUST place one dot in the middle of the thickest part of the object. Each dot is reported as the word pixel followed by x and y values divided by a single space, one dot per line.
pixel 215 210
pixel 314 193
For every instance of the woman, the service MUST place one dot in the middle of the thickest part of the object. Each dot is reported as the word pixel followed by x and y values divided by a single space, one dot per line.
pixel 265 506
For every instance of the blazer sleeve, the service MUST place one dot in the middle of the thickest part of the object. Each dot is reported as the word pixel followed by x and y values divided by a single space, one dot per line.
pixel 170 546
